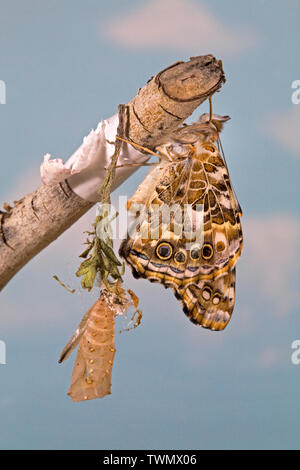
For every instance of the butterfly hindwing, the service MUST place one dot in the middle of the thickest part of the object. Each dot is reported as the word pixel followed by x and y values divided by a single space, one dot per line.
pixel 209 303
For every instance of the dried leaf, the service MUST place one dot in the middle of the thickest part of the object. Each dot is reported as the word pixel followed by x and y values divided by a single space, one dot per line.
pixel 88 271
pixel 134 298
pixel 86 252
pixel 137 316
pixel 109 252
pixel 102 260
pixel 63 285
pixel 88 278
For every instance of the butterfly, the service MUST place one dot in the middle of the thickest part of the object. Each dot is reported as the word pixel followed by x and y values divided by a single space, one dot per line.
pixel 191 173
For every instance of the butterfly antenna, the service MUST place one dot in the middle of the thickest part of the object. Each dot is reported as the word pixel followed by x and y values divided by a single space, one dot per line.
pixel 210 109
pixel 210 122
pixel 138 146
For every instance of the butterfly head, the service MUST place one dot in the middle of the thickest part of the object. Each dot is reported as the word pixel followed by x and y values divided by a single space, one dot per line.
pixel 192 139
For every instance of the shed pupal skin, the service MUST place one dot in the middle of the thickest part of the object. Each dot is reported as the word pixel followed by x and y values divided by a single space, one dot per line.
pixel 95 335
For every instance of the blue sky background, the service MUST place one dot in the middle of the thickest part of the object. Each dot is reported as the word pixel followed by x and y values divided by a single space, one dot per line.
pixel 68 64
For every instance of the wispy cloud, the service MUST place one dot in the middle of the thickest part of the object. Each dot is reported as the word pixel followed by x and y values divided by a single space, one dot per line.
pixel 284 129
pixel 179 25
pixel 268 265
pixel 271 357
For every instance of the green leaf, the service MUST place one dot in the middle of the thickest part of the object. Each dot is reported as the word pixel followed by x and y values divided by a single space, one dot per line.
pixel 109 252
pixel 88 279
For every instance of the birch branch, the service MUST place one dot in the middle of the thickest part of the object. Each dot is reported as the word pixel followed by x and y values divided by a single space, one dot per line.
pixel 159 107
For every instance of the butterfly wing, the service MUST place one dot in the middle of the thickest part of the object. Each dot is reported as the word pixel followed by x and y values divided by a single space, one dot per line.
pixel 209 303
pixel 222 244
pixel 201 178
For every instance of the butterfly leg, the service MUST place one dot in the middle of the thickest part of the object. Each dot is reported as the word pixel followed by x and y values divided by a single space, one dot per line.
pixel 138 146
pixel 138 318
pixel 171 158
pixel 134 164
